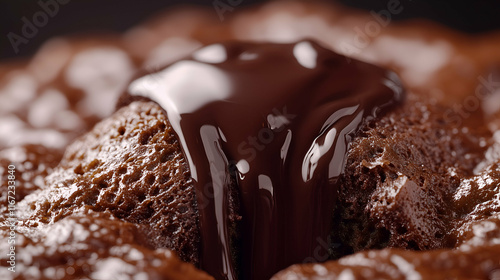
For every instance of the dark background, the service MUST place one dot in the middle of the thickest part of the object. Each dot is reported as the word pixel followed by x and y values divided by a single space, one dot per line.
pixel 89 15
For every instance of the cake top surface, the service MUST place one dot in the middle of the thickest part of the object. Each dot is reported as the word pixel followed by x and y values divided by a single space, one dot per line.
pixel 422 176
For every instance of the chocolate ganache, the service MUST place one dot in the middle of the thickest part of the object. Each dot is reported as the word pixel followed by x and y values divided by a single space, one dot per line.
pixel 274 123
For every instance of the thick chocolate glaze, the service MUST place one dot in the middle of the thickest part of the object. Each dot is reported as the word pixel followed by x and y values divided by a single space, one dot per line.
pixel 273 121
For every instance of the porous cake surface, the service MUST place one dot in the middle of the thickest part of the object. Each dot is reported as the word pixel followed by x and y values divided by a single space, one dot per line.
pixel 418 197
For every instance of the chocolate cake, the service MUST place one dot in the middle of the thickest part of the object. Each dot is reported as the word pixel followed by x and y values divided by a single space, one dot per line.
pixel 242 153
pixel 129 165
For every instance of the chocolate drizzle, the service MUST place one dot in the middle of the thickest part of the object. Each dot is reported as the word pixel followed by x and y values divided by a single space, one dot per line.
pixel 274 123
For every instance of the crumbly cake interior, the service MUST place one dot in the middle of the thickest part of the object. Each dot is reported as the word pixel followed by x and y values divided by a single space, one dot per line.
pixel 103 194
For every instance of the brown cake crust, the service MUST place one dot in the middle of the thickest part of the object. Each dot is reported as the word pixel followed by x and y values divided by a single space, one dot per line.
pixel 93 245
pixel 418 154
pixel 130 165
pixel 399 177
pixel 33 163
pixel 473 263
pixel 123 188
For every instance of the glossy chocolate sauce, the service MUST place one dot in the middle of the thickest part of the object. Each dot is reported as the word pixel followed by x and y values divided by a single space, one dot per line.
pixel 273 121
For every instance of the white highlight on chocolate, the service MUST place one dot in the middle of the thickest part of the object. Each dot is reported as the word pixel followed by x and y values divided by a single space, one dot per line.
pixel 265 183
pixel 327 137
pixel 316 151
pixel 286 145
pixel 393 82
pixel 211 54
pixel 211 139
pixel 305 54
pixel 248 56
pixel 277 121
pixel 243 166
